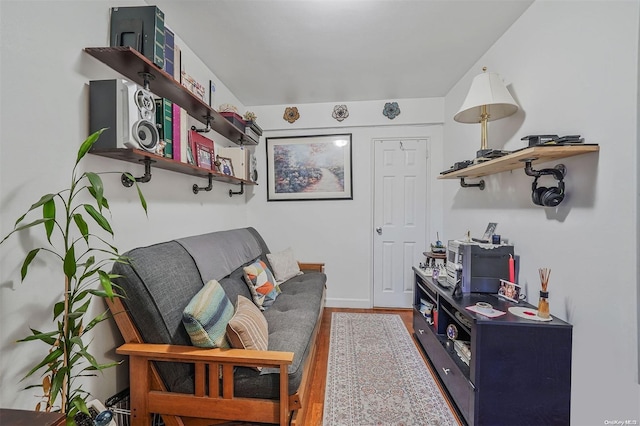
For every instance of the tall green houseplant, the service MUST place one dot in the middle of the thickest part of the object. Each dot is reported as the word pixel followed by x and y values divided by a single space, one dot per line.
pixel 66 219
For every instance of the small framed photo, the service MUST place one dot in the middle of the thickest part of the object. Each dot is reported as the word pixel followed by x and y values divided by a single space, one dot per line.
pixel 488 233
pixel 509 291
pixel 203 151
pixel 204 154
pixel 225 165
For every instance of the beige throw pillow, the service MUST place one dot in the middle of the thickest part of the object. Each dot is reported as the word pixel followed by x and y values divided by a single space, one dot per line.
pixel 248 328
pixel 284 265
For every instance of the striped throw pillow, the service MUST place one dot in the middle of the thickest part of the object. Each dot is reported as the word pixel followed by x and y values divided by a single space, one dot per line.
pixel 207 315
pixel 261 283
pixel 248 328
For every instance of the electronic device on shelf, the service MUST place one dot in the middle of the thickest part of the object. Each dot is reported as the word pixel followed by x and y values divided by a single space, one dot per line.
pixel 140 27
pixel 458 166
pixel 478 267
pixel 127 111
pixel 535 140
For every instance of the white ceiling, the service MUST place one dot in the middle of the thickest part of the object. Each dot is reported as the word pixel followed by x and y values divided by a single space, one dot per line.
pixel 272 52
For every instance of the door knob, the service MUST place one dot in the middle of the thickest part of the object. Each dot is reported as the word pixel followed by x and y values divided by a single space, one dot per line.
pixel 379 230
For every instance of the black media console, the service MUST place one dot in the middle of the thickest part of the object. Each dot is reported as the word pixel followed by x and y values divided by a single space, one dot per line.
pixel 520 370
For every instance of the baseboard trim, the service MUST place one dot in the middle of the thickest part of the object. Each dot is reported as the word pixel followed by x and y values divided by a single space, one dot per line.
pixel 348 303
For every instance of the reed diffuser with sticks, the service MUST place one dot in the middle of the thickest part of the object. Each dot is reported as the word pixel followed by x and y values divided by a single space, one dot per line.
pixel 543 303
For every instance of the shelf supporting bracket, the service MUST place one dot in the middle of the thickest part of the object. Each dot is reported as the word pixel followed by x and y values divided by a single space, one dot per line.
pixel 207 128
pixel 207 188
pixel 146 78
pixel 559 171
pixel 232 192
pixel 479 185
pixel 126 180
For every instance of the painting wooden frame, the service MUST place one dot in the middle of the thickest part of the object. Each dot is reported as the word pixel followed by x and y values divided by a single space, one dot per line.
pixel 303 168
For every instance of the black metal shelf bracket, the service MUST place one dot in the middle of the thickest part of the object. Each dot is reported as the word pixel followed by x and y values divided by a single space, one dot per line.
pixel 479 185
pixel 209 118
pixel 559 171
pixel 232 192
pixel 207 188
pixel 146 77
pixel 128 182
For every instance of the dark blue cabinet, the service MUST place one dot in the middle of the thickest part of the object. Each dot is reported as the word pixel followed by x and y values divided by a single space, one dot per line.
pixel 520 370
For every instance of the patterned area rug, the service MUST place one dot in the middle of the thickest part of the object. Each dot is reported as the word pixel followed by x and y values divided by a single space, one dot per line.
pixel 376 376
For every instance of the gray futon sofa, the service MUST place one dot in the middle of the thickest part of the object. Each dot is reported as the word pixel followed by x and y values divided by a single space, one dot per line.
pixel 159 281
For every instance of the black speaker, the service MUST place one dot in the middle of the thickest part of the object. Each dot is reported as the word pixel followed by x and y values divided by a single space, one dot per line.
pixel 140 27
pixel 551 196
pixel 128 113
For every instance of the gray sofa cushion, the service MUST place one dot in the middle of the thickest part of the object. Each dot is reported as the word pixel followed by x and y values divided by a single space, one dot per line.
pixel 291 319
pixel 234 285
pixel 158 284
pixel 217 254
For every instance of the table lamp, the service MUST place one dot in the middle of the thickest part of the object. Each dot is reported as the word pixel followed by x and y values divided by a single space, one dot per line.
pixel 488 99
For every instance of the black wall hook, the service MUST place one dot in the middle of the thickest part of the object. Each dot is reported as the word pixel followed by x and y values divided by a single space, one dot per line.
pixel 206 129
pixel 126 180
pixel 232 192
pixel 207 188
pixel 558 172
pixel 479 185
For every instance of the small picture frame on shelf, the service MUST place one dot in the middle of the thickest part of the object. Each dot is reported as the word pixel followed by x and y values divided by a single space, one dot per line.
pixel 204 154
pixel 225 165
pixel 488 233
pixel 509 291
pixel 203 150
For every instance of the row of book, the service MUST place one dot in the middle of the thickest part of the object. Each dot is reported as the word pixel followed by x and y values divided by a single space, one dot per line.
pixel 180 143
pixel 172 124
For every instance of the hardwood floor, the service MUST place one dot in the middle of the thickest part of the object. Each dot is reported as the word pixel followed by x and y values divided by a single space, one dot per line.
pixel 316 396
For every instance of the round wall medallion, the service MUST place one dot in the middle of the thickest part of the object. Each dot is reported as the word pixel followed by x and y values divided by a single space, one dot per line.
pixel 291 114
pixel 391 110
pixel 452 332
pixel 340 112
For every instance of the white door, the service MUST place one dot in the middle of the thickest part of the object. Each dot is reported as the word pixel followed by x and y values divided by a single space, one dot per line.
pixel 400 187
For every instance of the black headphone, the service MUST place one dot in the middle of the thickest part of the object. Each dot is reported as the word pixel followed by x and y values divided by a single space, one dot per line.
pixel 548 197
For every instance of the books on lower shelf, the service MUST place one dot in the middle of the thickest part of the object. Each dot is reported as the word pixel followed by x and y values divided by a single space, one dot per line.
pixel 177 135
pixel 164 121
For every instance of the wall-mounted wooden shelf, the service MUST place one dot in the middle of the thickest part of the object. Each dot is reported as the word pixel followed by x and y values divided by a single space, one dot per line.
pixel 517 160
pixel 138 69
pixel 134 66
pixel 138 156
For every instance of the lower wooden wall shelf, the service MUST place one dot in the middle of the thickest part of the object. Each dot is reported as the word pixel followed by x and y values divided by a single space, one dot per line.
pixel 149 160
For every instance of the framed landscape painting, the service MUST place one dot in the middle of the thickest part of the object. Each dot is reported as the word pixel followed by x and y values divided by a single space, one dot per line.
pixel 309 168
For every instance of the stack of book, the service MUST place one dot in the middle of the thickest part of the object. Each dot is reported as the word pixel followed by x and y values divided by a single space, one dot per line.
pixel 253 131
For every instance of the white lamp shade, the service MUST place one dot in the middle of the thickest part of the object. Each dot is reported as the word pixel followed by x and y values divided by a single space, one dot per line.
pixel 486 89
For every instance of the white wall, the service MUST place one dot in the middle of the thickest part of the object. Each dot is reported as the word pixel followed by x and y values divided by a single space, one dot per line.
pixel 573 68
pixel 45 76
pixel 340 232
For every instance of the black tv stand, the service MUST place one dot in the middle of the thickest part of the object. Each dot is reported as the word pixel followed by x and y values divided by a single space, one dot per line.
pixel 519 371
